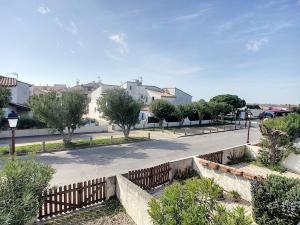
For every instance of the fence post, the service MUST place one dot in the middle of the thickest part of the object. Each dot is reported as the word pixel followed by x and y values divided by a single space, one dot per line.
pixel 91 140
pixel 111 139
pixel 149 136
pixel 44 146
pixel 79 188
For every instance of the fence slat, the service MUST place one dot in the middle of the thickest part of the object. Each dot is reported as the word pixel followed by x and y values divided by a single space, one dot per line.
pixel 150 177
pixel 66 198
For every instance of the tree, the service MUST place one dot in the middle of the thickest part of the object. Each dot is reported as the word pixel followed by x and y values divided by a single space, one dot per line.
pixel 22 183
pixel 217 109
pixel 5 96
pixel 279 134
pixel 233 100
pixel 181 112
pixel 194 203
pixel 161 109
pixel 202 109
pixel 119 108
pixel 60 112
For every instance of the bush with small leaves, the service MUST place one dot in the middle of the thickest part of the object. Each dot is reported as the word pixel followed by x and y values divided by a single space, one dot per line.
pixel 194 203
pixel 22 183
pixel 276 201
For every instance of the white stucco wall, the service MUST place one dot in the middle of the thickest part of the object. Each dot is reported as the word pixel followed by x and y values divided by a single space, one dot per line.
pixel 20 93
pixel 134 200
pixel 228 181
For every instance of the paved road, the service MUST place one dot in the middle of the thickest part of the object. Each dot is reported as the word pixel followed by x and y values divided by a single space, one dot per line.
pixel 85 164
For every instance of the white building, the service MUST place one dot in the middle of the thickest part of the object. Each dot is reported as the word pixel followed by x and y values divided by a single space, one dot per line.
pixel 20 93
pixel 137 90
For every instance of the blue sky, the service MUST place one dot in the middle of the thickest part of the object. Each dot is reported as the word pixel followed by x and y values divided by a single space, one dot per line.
pixel 248 48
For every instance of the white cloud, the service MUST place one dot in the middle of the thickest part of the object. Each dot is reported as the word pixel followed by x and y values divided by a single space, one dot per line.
pixel 43 9
pixel 191 16
pixel 120 41
pixel 73 28
pixel 58 22
pixel 256 45
pixel 298 2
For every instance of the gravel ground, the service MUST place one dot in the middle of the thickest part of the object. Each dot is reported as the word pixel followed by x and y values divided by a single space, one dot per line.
pixel 109 212
pixel 263 171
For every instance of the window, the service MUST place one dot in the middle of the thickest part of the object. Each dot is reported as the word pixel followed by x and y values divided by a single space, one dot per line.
pixel 152 98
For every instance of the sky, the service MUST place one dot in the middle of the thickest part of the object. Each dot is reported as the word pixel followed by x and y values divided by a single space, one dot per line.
pixel 206 48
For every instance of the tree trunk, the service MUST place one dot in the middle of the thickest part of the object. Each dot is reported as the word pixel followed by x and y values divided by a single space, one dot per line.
pixel 161 123
pixel 126 131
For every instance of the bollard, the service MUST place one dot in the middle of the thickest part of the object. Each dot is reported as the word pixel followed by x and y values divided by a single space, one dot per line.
pixel 224 128
pixel 209 130
pixel 149 136
pixel 185 132
pixel 111 139
pixel 91 140
pixel 235 126
pixel 174 131
pixel 44 146
pixel 217 129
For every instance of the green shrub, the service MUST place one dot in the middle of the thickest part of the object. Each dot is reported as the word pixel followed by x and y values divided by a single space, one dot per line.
pixel 21 185
pixel 27 122
pixel 235 196
pixel 194 203
pixel 276 201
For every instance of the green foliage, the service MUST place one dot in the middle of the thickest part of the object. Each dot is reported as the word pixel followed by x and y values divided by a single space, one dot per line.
pixel 119 108
pixel 195 203
pixel 181 112
pixel 276 201
pixel 161 109
pixel 49 147
pixel 202 109
pixel 217 109
pixel 235 196
pixel 289 124
pixel 27 122
pixel 233 100
pixel 5 96
pixel 22 183
pixel 278 136
pixel 60 112
pixel 236 158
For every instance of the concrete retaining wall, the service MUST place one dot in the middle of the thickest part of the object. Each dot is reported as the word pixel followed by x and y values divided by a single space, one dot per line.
pixel 46 131
pixel 237 151
pixel 134 200
pixel 180 164
pixel 228 181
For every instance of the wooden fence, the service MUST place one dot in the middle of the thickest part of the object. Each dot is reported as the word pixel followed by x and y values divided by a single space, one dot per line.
pixel 216 157
pixel 70 197
pixel 150 177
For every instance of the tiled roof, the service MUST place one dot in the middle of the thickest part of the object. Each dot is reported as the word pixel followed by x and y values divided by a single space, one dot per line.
pixel 8 81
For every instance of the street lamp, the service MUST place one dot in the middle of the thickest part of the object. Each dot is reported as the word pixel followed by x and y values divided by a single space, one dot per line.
pixel 13 120
pixel 249 115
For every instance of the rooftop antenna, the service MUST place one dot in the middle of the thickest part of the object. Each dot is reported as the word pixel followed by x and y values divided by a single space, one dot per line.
pixel 15 74
pixel 141 79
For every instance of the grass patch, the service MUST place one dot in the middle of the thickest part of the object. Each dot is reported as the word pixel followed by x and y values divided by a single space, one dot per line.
pixel 156 128
pixel 57 146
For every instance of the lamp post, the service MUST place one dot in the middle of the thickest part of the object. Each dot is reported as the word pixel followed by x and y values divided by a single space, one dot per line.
pixel 13 120
pixel 249 114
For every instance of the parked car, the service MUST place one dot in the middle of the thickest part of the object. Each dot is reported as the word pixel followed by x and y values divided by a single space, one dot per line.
pixel 274 113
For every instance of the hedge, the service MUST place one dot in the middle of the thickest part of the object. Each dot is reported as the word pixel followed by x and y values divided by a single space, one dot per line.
pixel 276 201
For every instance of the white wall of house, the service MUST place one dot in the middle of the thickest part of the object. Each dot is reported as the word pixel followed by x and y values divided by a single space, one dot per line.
pixel 20 93
pixel 92 110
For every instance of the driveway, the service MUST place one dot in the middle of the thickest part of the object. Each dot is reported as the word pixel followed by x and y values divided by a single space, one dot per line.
pixel 84 164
